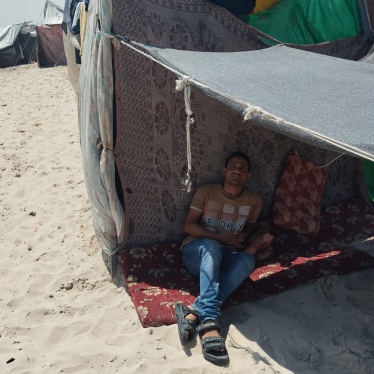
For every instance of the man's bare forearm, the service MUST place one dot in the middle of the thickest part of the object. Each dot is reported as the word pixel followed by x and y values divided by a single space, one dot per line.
pixel 230 239
pixel 198 231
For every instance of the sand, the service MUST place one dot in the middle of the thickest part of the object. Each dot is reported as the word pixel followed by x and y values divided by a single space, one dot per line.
pixel 59 309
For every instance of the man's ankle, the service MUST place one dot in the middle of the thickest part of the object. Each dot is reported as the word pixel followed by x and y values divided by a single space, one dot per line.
pixel 191 316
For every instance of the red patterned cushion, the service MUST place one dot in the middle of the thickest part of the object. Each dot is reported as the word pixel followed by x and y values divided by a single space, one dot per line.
pixel 156 280
pixel 298 194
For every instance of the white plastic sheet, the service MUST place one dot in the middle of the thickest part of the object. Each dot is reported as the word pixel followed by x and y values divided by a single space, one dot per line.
pixel 95 117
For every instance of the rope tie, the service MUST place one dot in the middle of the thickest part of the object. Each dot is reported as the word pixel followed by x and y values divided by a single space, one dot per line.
pixel 110 252
pixel 184 84
pixel 101 34
pixel 252 110
pixel 63 52
pixel 328 164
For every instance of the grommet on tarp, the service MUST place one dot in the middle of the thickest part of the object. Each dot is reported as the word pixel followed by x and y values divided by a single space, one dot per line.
pixel 184 84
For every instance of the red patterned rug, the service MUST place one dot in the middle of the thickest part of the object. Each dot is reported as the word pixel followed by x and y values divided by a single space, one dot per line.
pixel 156 278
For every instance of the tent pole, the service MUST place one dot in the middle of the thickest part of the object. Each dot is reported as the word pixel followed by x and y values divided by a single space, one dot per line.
pixel 110 261
pixel 112 265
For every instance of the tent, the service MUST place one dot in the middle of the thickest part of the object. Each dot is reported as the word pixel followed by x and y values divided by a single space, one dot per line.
pixel 134 143
pixel 49 36
pixel 17 44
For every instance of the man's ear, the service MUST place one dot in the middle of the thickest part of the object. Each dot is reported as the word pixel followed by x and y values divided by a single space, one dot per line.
pixel 224 171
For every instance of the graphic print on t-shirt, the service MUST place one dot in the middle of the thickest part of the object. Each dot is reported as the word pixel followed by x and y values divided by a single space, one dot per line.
pixel 233 217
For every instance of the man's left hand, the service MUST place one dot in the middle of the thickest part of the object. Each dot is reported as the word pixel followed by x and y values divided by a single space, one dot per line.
pixel 236 240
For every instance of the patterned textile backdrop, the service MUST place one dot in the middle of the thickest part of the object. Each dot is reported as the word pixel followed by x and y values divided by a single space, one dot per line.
pixel 151 156
pixel 203 26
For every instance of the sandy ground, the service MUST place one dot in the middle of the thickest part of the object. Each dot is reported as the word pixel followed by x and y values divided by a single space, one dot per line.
pixel 59 310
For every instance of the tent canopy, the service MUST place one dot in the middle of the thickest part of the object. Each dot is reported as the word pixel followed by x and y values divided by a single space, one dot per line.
pixel 322 100
pixel 49 36
pixel 17 44
pixel 8 35
pixel 53 12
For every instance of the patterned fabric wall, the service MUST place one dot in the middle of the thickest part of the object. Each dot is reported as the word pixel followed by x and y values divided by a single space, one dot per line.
pixel 203 26
pixel 151 150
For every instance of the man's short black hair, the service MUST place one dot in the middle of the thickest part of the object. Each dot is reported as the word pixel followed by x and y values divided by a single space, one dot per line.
pixel 239 154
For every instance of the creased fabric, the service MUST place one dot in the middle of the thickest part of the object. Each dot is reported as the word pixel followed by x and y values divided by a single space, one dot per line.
pixel 95 116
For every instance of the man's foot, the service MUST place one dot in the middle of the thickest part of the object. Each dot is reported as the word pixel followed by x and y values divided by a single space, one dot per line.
pixel 212 343
pixel 187 320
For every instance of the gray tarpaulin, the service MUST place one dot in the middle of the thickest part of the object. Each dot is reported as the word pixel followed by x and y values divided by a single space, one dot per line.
pixel 323 100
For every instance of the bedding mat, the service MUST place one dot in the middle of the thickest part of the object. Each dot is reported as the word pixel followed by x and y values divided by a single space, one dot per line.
pixel 156 278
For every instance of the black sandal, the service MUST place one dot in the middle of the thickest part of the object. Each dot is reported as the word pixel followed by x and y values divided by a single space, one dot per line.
pixel 213 347
pixel 186 325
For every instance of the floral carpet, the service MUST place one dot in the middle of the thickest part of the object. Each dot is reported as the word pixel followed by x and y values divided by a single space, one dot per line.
pixel 156 278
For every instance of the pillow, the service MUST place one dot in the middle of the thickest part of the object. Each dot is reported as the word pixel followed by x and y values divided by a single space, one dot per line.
pixel 298 195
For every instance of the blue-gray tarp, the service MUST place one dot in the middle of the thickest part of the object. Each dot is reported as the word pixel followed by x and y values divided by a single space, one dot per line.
pixel 318 99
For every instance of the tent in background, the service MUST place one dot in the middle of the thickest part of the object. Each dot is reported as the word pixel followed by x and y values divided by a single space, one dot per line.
pixel 28 43
pixel 49 36
pixel 17 45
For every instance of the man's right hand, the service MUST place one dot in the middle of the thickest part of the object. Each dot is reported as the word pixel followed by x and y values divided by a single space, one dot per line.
pixel 231 239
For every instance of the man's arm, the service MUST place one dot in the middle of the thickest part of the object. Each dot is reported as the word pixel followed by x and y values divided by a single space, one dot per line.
pixel 193 227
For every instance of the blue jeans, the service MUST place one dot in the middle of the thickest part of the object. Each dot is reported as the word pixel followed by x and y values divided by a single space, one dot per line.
pixel 220 270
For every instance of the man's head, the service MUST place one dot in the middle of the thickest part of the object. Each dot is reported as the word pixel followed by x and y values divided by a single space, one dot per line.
pixel 241 155
pixel 236 170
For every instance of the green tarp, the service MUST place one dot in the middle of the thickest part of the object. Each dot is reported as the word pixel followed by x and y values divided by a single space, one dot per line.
pixel 369 176
pixel 308 21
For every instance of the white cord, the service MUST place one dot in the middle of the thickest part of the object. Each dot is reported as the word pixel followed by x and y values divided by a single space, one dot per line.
pixel 184 84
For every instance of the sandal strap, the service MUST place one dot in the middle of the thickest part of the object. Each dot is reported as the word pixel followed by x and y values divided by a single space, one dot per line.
pixel 213 343
pixel 187 311
pixel 214 350
pixel 208 326
pixel 189 324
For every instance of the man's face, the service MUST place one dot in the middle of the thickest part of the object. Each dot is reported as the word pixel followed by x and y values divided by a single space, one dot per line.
pixel 236 173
